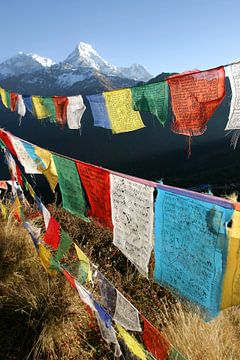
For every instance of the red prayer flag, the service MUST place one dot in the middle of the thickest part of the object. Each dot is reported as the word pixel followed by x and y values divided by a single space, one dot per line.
pixel 13 101
pixel 155 342
pixel 52 235
pixel 61 104
pixel 7 141
pixel 69 278
pixel 195 97
pixel 96 183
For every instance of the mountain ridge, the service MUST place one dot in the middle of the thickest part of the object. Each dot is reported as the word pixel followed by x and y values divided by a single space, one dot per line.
pixel 31 73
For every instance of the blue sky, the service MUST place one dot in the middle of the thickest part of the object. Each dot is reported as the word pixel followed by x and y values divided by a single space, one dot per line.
pixel 169 35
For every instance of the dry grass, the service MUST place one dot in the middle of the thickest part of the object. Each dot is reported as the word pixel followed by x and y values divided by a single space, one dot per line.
pixel 43 318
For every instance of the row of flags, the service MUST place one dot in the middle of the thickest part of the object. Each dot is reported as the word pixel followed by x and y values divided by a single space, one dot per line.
pixel 193 95
pixel 194 237
pixel 117 318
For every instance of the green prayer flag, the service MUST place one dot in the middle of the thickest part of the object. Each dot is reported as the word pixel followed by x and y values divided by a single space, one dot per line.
pixel 78 271
pixel 152 98
pixel 49 105
pixel 69 181
pixel 54 265
pixel 64 245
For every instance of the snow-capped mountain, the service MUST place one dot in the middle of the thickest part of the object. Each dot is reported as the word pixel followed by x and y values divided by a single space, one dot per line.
pixel 31 72
pixel 23 63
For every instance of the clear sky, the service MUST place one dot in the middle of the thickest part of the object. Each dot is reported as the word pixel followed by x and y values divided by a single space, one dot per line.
pixel 162 35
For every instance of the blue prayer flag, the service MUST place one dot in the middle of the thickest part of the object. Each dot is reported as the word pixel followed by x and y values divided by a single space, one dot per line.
pixel 191 247
pixel 99 111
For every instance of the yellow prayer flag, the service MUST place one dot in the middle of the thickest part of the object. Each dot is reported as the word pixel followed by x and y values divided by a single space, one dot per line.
pixel 50 171
pixel 40 111
pixel 3 95
pixel 45 255
pixel 132 343
pixel 231 284
pixel 119 107
pixel 84 259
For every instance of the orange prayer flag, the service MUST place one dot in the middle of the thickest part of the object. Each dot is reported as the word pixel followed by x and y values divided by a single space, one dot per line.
pixel 61 104
pixel 195 97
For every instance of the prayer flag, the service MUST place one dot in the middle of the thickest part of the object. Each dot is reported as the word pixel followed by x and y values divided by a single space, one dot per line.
pixel 27 99
pixel 132 344
pixel 231 285
pixel 233 73
pixel 45 256
pixel 104 316
pixel 23 156
pixel 191 247
pixel 71 189
pixel 13 101
pixel 47 166
pixel 155 341
pixel 64 245
pixel 96 183
pixel 126 314
pixel 52 235
pixel 40 111
pixel 75 111
pixel 108 293
pixel 21 108
pixel 3 185
pixel 132 217
pixel 85 267
pixel 49 105
pixel 195 97
pixel 122 117
pixel 61 104
pixel 85 295
pixel 152 98
pixel 99 111
pixel 5 98
pixel 69 278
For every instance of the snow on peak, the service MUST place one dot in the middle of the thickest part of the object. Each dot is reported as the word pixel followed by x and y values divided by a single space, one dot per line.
pixel 46 62
pixel 86 56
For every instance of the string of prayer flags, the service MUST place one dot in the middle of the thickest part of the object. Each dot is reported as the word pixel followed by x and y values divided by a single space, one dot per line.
pixel 61 103
pixel 21 108
pixel 191 247
pixel 71 189
pixel 155 342
pixel 85 268
pixel 132 217
pixel 5 96
pixel 99 111
pixel 119 107
pixel 131 343
pixel 126 314
pixel 75 111
pixel 152 98
pixel 231 285
pixel 96 183
pixel 40 110
pixel 195 96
